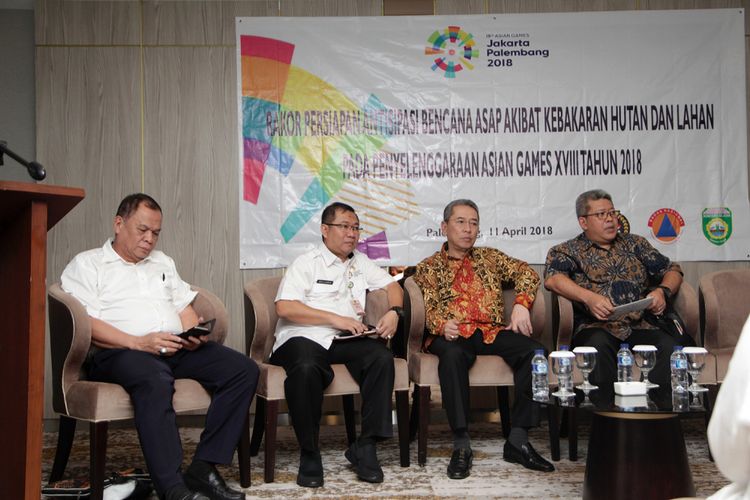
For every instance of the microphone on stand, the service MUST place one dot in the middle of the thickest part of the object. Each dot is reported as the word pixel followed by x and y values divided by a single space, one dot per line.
pixel 35 169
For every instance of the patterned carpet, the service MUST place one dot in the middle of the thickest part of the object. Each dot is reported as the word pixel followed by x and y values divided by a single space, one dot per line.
pixel 491 477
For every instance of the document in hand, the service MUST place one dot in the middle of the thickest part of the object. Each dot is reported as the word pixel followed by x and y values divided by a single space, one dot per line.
pixel 347 335
pixel 622 310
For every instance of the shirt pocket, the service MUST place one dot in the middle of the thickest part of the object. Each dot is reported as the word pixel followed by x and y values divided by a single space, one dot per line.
pixel 322 291
pixel 160 285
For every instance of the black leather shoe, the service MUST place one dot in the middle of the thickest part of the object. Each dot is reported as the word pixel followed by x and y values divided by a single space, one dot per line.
pixel 310 473
pixel 460 464
pixel 527 456
pixel 365 460
pixel 181 492
pixel 203 477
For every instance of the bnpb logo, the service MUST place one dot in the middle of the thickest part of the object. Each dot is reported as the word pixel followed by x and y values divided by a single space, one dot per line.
pixel 666 225
pixel 452 50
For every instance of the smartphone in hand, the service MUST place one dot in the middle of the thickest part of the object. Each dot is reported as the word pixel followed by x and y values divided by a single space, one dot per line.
pixel 200 330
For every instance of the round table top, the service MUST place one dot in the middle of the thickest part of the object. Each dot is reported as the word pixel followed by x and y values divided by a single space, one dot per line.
pixel 658 401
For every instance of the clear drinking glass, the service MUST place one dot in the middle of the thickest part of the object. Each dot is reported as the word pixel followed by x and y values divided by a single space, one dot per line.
pixel 696 360
pixel 645 359
pixel 562 367
pixel 586 361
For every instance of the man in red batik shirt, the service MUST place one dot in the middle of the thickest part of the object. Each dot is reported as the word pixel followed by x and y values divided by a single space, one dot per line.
pixel 462 287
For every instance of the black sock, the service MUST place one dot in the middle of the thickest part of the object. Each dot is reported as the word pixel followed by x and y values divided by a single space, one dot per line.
pixel 518 436
pixel 461 439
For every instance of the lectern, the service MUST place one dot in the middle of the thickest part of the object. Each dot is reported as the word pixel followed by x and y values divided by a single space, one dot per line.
pixel 27 212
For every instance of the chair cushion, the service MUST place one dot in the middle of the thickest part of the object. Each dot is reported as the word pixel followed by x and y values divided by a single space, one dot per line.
pixel 272 377
pixel 98 401
pixel 487 370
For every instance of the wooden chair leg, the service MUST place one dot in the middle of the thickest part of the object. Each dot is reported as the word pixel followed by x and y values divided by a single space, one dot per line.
pixel 553 418
pixel 65 434
pixel 98 457
pixel 503 397
pixel 424 421
pixel 272 413
pixel 402 417
pixel 258 426
pixel 414 418
pixel 349 423
pixel 572 434
pixel 243 453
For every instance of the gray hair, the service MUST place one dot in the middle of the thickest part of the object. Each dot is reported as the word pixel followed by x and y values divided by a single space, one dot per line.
pixel 582 202
pixel 458 203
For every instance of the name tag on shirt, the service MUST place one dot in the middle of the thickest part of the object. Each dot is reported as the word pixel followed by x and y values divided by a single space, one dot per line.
pixel 324 282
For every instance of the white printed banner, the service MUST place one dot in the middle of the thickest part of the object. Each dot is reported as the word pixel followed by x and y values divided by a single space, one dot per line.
pixel 397 116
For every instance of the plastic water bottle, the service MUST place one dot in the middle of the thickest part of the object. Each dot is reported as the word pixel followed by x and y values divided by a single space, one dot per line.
pixel 567 381
pixel 624 364
pixel 678 364
pixel 539 380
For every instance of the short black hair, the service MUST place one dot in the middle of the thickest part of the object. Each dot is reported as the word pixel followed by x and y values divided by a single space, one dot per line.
pixel 329 213
pixel 131 202
pixel 582 202
pixel 463 202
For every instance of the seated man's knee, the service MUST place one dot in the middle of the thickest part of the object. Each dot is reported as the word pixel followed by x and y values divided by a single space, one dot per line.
pixel 453 355
pixel 599 339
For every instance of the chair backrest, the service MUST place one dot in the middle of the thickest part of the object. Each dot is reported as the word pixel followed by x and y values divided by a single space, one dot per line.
pixel 685 304
pixel 724 307
pixel 261 317
pixel 414 311
pixel 70 336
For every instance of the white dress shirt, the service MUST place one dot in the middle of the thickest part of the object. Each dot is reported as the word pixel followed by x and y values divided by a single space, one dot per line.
pixel 136 298
pixel 322 281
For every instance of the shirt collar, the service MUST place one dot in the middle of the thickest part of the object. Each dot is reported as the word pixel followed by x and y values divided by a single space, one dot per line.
pixel 329 258
pixel 111 256
pixel 446 257
pixel 590 243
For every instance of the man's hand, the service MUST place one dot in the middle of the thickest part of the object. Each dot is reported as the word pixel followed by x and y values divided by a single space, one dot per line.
pixel 193 343
pixel 599 305
pixel 344 323
pixel 387 325
pixel 520 320
pixel 154 342
pixel 658 301
pixel 450 330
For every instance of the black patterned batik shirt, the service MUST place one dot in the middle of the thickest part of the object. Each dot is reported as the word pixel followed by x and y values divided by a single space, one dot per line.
pixel 625 272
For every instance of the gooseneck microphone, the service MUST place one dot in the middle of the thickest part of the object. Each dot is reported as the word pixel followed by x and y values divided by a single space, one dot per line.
pixel 35 169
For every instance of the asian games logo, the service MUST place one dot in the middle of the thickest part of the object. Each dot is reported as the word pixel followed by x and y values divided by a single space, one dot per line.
pixel 452 50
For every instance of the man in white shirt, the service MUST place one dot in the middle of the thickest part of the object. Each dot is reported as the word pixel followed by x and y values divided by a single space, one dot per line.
pixel 729 428
pixel 137 303
pixel 323 294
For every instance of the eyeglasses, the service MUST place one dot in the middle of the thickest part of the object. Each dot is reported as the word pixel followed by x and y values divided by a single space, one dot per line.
pixel 604 215
pixel 346 227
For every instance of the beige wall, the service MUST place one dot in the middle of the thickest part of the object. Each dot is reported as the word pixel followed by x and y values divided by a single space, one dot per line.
pixel 139 95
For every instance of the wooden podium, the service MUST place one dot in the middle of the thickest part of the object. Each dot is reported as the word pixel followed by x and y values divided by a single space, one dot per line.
pixel 27 212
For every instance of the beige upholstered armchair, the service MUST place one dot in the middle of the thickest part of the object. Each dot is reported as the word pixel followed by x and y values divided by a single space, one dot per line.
pixel 486 371
pixel 260 325
pixel 724 307
pixel 76 398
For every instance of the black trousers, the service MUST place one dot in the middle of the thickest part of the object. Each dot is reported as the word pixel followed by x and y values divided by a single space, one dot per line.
pixel 607 345
pixel 308 373
pixel 230 376
pixel 456 357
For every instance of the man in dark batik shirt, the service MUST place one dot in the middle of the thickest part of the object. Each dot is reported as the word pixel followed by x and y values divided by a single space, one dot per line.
pixel 600 269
